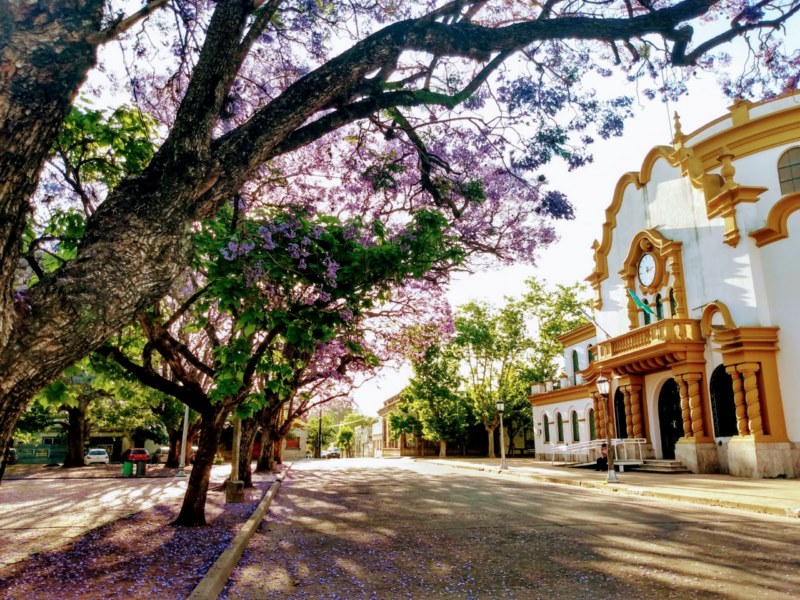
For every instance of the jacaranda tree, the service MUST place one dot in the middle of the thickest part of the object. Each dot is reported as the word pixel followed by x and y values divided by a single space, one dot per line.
pixel 456 105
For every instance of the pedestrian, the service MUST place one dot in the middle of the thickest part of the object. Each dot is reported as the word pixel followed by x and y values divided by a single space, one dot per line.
pixel 602 460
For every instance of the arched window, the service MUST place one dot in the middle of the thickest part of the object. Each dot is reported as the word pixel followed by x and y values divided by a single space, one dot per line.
pixel 723 408
pixel 673 304
pixel 576 434
pixel 575 366
pixel 590 354
pixel 592 425
pixel 789 171
pixel 546 428
pixel 560 427
pixel 659 307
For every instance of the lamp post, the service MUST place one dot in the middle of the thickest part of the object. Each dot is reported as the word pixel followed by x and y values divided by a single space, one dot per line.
pixel 503 465
pixel 182 461
pixel 604 388
pixel 319 436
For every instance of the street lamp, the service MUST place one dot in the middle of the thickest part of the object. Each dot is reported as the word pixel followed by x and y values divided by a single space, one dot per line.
pixel 503 465
pixel 319 436
pixel 604 388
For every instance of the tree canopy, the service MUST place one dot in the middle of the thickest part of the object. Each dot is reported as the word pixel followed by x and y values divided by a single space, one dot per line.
pixel 370 108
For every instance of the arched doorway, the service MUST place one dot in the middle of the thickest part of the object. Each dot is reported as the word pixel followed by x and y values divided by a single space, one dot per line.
pixel 670 421
pixel 723 407
pixel 620 424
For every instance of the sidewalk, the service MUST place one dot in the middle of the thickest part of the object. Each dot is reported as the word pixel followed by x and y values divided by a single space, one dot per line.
pixel 770 496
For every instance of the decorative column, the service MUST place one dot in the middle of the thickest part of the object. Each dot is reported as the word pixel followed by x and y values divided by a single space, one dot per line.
pixel 738 400
pixel 751 397
pixel 636 411
pixel 599 421
pixel 676 268
pixel 626 395
pixel 695 403
pixel 683 389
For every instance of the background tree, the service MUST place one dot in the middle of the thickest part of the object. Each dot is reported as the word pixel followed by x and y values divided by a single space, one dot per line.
pixel 320 434
pixel 493 345
pixel 229 111
pixel 518 413
pixel 345 439
pixel 402 422
pixel 434 395
pixel 551 312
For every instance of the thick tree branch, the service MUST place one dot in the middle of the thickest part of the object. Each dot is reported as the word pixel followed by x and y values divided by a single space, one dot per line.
pixel 190 393
pixel 122 25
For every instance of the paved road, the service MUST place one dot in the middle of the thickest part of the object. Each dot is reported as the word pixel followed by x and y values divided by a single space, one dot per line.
pixel 397 529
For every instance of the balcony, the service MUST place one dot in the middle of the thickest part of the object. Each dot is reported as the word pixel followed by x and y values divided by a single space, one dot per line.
pixel 652 347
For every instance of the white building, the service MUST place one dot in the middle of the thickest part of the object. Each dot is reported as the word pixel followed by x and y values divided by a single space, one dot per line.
pixel 702 236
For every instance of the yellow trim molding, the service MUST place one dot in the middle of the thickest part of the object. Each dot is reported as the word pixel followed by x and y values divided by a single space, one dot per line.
pixel 777 228
pixel 751 351
pixel 578 335
pixel 575 392
pixel 744 137
pixel 669 272
pixel 709 311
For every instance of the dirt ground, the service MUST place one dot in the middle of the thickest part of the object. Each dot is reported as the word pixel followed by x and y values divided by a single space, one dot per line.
pixel 139 556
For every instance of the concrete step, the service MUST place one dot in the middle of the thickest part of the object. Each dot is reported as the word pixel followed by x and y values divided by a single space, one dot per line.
pixel 661 466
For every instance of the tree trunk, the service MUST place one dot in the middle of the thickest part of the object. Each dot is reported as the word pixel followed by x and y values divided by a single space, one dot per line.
pixel 490 432
pixel 278 451
pixel 44 59
pixel 76 433
pixel 265 460
pixel 193 509
pixel 442 448
pixel 511 431
pixel 6 449
pixel 174 456
pixel 249 433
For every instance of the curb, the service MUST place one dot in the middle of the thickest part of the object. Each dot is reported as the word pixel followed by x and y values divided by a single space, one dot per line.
pixel 632 490
pixel 217 576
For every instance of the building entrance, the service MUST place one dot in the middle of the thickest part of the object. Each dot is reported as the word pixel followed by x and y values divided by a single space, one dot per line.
pixel 620 419
pixel 670 421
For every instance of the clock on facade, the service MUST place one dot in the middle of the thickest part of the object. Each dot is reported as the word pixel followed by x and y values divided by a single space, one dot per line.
pixel 647 269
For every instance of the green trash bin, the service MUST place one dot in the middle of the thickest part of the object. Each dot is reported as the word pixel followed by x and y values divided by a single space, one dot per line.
pixel 127 468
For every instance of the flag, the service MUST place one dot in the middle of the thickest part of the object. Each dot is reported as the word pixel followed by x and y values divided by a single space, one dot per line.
pixel 641 304
pixel 595 323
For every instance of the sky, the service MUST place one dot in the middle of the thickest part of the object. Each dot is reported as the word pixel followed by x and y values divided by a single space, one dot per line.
pixel 590 189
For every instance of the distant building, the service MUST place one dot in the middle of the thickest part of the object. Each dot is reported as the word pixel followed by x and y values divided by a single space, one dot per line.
pixel 697 287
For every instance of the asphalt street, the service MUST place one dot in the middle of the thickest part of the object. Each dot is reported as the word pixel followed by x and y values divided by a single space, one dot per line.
pixel 399 529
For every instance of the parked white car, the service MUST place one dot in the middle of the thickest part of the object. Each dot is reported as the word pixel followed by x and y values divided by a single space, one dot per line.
pixel 96 455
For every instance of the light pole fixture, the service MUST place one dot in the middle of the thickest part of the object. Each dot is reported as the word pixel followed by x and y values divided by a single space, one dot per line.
pixel 500 407
pixel 604 388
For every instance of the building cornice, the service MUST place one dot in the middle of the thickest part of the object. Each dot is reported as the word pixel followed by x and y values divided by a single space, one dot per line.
pixel 777 227
pixel 745 136
pixel 578 335
pixel 575 392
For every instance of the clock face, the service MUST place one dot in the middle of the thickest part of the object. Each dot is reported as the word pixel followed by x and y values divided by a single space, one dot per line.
pixel 647 269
